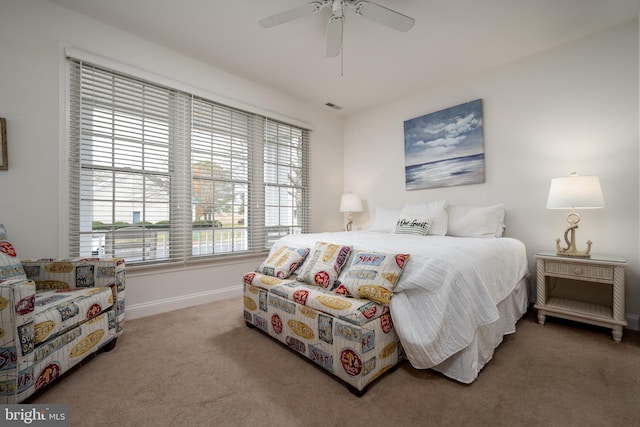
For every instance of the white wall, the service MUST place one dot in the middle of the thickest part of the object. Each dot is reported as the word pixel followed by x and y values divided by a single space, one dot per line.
pixel 33 192
pixel 571 108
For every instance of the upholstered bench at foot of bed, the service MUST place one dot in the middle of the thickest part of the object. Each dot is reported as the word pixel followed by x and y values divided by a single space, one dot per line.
pixel 353 339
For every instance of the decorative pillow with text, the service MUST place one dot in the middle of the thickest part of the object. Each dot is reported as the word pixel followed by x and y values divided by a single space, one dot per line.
pixel 411 223
pixel 436 211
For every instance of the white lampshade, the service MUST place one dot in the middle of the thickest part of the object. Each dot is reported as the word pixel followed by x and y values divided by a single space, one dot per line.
pixel 350 203
pixel 575 192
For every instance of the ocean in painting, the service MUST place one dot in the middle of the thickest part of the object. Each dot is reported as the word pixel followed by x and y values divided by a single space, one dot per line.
pixel 446 173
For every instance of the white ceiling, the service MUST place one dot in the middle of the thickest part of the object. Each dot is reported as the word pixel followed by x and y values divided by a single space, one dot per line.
pixel 450 39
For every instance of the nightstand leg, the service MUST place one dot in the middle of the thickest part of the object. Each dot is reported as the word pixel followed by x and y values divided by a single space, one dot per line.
pixel 616 331
pixel 541 317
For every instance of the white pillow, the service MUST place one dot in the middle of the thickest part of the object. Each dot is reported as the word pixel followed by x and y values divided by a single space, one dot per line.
pixel 385 220
pixel 436 211
pixel 476 221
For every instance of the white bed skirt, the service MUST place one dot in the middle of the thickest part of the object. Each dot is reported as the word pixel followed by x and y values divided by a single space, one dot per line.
pixel 465 365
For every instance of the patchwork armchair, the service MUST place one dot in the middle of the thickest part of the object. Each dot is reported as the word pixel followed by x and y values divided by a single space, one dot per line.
pixel 53 314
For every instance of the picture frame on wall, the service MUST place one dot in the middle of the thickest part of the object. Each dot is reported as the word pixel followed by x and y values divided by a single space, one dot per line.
pixel 4 159
pixel 445 148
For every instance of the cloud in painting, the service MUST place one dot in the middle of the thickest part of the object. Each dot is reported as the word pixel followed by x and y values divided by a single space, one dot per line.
pixel 453 132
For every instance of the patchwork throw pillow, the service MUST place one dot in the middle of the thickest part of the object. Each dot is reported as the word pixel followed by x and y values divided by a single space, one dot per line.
pixel 373 275
pixel 412 223
pixel 282 261
pixel 10 266
pixel 324 265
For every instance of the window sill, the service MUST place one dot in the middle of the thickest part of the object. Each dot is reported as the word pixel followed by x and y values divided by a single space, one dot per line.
pixel 152 269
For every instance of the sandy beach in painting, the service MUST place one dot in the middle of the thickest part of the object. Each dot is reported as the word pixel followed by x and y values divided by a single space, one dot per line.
pixel 446 173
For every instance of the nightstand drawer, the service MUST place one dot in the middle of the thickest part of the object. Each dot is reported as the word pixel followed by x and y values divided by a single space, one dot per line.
pixel 579 270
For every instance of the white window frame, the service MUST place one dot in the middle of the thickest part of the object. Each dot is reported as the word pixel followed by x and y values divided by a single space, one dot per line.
pixel 258 241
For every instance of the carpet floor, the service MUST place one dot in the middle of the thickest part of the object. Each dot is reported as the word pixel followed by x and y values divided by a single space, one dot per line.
pixel 201 366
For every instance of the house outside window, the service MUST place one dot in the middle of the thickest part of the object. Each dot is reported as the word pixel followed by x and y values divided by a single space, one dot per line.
pixel 158 175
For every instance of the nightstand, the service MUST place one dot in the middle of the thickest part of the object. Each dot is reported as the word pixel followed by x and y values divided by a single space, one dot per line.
pixel 589 290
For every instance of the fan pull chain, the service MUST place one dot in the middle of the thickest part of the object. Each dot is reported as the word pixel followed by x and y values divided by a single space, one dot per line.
pixel 342 56
pixel 341 63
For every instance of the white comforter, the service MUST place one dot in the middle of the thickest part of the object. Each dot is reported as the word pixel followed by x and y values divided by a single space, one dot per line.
pixel 450 286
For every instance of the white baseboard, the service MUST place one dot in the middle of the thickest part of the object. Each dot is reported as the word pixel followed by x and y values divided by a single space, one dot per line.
pixel 169 304
pixel 633 322
pixel 136 311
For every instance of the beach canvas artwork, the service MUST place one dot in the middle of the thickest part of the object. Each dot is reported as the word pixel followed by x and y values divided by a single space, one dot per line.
pixel 445 148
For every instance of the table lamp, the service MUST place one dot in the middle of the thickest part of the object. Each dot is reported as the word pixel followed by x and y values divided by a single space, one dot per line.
pixel 350 203
pixel 574 192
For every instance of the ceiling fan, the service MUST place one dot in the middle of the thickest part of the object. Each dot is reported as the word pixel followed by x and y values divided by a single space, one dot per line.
pixel 368 9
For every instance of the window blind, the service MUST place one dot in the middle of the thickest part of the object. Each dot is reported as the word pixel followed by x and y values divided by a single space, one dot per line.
pixel 158 175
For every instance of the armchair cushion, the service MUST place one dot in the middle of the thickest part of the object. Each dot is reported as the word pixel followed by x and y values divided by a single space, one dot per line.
pixel 59 310
pixel 81 273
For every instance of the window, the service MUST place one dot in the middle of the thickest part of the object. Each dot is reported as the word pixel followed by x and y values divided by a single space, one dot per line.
pixel 160 175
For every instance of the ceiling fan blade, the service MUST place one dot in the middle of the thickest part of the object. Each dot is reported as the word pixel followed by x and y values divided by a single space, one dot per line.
pixel 291 14
pixel 384 16
pixel 334 36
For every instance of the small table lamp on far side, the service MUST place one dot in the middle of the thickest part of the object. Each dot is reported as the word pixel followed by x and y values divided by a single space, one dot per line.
pixel 350 203
pixel 574 192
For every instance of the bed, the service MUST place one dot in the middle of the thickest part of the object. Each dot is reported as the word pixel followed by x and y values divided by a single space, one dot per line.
pixel 456 298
